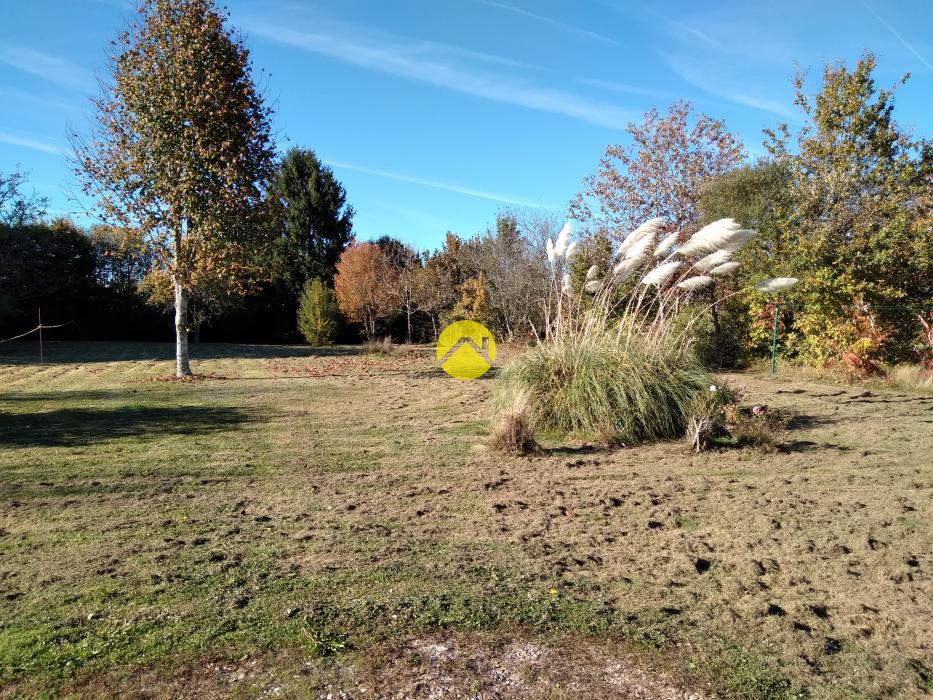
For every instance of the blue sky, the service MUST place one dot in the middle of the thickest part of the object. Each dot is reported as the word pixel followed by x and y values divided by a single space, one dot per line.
pixel 437 113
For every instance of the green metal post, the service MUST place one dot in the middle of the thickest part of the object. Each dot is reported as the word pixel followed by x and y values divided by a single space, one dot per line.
pixel 777 308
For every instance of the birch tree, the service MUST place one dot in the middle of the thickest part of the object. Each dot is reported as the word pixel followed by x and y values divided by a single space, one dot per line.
pixel 180 148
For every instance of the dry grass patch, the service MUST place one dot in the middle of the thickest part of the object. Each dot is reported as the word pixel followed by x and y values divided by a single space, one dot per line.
pixel 512 432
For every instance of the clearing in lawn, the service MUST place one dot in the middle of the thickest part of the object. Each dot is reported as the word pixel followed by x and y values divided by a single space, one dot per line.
pixel 300 522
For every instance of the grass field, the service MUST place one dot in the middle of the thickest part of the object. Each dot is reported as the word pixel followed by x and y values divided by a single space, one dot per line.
pixel 302 522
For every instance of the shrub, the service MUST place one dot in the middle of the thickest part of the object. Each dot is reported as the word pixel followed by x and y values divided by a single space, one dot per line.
pixel 318 316
pixel 708 415
pixel 717 417
pixel 757 426
pixel 378 346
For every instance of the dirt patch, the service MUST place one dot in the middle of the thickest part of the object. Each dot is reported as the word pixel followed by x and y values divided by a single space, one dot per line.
pixel 480 667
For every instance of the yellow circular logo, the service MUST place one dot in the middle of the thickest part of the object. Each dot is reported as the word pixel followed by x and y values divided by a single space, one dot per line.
pixel 466 350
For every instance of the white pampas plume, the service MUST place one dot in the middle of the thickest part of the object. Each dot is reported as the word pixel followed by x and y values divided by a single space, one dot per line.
pixel 591 273
pixel 712 260
pixel 725 269
pixel 625 268
pixel 639 249
pixel 776 284
pixel 711 237
pixel 592 286
pixel 692 283
pixel 650 227
pixel 563 239
pixel 566 288
pixel 660 274
pixel 738 239
pixel 666 244
pixel 549 247
pixel 571 251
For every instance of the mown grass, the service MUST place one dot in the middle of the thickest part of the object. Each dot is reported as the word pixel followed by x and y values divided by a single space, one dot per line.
pixel 319 504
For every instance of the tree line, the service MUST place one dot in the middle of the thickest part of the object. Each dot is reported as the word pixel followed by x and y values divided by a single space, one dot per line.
pixel 108 279
pixel 845 204
pixel 206 222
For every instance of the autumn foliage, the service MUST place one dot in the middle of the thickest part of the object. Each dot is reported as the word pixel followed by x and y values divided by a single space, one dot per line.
pixel 181 149
pixel 364 286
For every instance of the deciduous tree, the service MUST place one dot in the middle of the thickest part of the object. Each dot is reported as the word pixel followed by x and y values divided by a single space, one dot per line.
pixel 659 173
pixel 513 274
pixel 17 207
pixel 856 224
pixel 437 283
pixel 365 286
pixel 405 262
pixel 182 149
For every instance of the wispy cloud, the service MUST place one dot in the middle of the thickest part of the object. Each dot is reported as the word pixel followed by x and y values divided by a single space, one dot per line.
pixel 626 88
pixel 48 67
pixel 62 105
pixel 723 87
pixel 553 22
pixel 447 187
pixel 899 37
pixel 686 29
pixel 433 48
pixel 436 64
pixel 26 142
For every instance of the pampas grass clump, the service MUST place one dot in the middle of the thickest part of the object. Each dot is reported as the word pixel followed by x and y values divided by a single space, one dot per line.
pixel 619 365
pixel 378 346
pixel 594 386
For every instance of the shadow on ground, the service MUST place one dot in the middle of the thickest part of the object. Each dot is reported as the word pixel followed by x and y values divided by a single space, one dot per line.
pixel 83 352
pixel 84 426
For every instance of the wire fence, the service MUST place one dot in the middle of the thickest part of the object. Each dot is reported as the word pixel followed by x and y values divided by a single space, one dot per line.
pixel 38 329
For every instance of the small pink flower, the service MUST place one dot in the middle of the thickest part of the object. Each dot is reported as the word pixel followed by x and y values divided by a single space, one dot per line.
pixel 759 410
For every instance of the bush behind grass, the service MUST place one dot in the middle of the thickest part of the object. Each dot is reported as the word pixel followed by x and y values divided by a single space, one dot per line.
pixel 593 385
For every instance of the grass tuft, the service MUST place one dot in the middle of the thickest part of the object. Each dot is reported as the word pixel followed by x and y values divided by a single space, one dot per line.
pixel 378 346
pixel 513 434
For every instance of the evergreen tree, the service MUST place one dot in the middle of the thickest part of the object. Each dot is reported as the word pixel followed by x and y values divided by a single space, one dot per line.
pixel 318 317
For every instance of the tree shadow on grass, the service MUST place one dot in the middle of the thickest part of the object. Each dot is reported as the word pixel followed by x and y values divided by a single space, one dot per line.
pixel 438 373
pixel 81 396
pixel 72 427
pixel 83 352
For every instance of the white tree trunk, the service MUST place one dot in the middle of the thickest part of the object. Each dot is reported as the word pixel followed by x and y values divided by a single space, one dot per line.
pixel 408 323
pixel 182 368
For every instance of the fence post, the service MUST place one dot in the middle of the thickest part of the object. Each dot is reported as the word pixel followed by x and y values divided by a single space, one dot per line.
pixel 41 359
pixel 774 328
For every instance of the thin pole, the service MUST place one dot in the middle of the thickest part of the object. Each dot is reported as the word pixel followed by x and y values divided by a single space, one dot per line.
pixel 777 308
pixel 41 360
